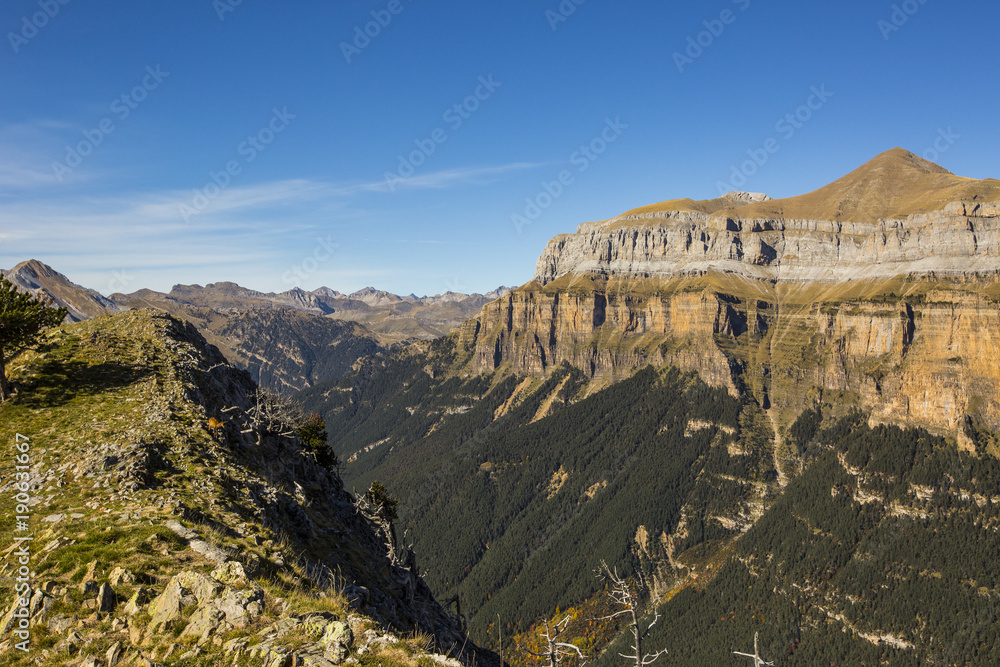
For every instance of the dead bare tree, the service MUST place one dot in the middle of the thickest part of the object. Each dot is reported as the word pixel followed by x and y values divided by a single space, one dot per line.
pixel 271 414
pixel 379 507
pixel 630 598
pixel 555 650
pixel 500 634
pixel 757 660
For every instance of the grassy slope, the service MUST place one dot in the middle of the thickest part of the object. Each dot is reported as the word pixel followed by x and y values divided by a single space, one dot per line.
pixel 116 410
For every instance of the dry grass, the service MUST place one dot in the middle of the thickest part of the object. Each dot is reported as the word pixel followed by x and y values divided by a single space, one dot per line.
pixel 894 184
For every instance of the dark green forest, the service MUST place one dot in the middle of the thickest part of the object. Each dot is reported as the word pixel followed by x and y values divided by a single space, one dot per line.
pixel 882 551
pixel 912 566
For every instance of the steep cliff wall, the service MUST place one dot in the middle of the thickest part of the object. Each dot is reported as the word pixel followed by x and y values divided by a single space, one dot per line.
pixel 881 288
pixel 963 238
pixel 919 351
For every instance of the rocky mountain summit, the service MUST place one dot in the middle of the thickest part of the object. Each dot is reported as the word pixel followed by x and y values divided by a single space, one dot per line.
pixel 892 216
pixel 38 278
pixel 880 288
pixel 289 340
pixel 392 318
pixel 171 524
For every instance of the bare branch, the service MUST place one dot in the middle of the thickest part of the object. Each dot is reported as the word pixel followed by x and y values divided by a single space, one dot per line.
pixel 614 615
pixel 630 599
pixel 556 651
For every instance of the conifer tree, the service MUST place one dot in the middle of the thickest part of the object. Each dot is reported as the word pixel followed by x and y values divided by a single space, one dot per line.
pixel 23 317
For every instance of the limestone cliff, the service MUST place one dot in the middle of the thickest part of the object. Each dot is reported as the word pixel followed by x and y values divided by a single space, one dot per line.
pixel 894 309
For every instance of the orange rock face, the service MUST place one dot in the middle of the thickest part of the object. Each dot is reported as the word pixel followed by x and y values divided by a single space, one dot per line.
pixel 920 352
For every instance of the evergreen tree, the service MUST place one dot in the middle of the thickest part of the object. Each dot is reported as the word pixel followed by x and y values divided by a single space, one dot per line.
pixel 313 434
pixel 23 316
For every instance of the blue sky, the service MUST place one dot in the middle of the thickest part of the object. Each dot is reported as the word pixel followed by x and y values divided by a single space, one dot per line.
pixel 276 144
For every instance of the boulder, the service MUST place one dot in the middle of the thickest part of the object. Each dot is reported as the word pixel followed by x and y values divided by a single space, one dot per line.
pixel 166 608
pixel 241 607
pixel 137 601
pixel 337 640
pixel 105 598
pixel 120 576
pixel 205 622
pixel 231 573
pixel 205 588
pixel 209 551
pixel 61 623
pixel 114 654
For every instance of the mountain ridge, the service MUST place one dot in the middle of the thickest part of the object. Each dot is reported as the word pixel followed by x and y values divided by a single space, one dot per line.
pixel 897 214
pixel 893 184
pixel 183 525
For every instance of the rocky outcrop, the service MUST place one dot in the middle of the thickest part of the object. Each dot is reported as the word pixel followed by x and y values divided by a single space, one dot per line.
pixel 918 352
pixel 81 303
pixel 603 332
pixel 882 287
pixel 963 239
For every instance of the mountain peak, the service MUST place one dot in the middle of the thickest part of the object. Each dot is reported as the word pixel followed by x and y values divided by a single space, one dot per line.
pixel 36 268
pixel 898 162
pixel 893 184
pixel 38 277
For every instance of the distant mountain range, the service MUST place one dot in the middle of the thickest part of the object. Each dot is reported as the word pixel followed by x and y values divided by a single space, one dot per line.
pixel 390 317
pixel 288 340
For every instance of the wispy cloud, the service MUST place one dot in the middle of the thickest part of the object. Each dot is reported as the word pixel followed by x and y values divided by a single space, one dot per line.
pixel 438 180
pixel 259 225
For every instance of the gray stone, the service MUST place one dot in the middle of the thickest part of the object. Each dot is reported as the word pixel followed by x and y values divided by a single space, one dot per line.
pixel 60 623
pixel 105 598
pixel 167 608
pixel 137 601
pixel 337 638
pixel 120 576
pixel 231 574
pixel 209 551
pixel 205 622
pixel 241 607
pixel 205 588
pixel 180 530
pixel 114 654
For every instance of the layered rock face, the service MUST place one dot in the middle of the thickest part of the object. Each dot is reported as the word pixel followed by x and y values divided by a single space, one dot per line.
pixel 964 238
pixel 897 316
